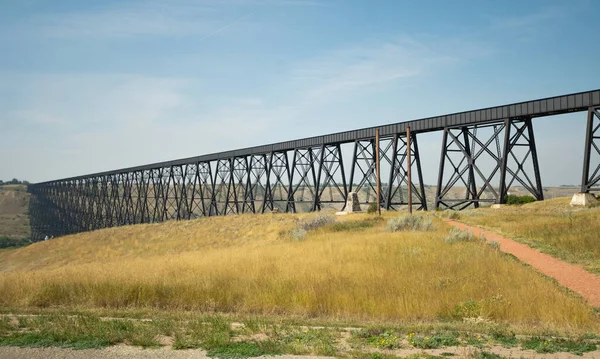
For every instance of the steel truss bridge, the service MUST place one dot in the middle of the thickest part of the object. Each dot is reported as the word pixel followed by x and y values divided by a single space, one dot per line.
pixel 484 153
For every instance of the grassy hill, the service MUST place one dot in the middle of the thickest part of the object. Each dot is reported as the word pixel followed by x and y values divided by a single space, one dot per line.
pixel 14 219
pixel 348 269
pixel 552 226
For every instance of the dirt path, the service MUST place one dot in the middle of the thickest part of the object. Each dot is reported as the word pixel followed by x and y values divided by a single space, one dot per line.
pixel 124 351
pixel 569 275
pixel 118 351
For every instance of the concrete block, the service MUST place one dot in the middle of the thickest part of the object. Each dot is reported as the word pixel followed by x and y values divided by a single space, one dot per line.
pixel 583 200
pixel 352 204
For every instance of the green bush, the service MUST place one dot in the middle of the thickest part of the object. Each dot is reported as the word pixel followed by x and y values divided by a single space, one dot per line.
pixel 302 228
pixel 456 235
pixel 448 214
pixel 6 242
pixel 512 199
pixel 372 208
pixel 409 222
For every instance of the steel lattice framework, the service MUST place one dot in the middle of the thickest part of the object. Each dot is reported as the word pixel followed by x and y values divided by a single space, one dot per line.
pixel 310 174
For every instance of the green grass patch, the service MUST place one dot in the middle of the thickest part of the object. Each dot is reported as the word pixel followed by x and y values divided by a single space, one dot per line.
pixel 434 341
pixel 6 242
pixel 387 340
pixel 246 350
pixel 355 225
pixel 543 345
pixel 81 332
pixel 512 199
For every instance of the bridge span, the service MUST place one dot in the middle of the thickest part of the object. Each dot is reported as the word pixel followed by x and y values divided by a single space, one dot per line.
pixel 484 153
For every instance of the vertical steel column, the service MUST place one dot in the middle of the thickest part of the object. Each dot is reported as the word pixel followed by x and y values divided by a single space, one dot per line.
pixel 504 161
pixel 592 142
pixel 471 163
pixel 417 160
pixel 438 190
pixel 388 195
pixel 536 166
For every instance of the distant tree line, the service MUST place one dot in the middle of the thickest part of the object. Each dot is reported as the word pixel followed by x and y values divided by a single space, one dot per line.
pixel 14 181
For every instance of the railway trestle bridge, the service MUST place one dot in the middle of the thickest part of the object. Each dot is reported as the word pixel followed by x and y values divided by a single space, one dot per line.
pixel 484 153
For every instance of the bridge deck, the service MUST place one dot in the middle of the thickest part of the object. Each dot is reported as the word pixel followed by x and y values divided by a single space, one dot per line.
pixel 535 108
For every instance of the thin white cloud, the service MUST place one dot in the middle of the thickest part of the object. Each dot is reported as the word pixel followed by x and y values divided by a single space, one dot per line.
pixel 129 20
pixel 525 21
pixel 370 65
pixel 175 18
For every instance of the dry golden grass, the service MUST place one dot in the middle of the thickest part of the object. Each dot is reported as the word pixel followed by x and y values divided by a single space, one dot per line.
pixel 243 264
pixel 572 234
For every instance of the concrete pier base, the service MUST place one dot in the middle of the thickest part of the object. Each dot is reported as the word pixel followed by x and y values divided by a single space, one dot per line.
pixel 583 200
pixel 352 204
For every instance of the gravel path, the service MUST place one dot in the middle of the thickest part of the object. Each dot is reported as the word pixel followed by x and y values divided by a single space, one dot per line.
pixel 118 351
pixel 569 275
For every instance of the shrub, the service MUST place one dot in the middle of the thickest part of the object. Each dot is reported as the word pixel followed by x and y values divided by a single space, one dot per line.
pixel 299 233
pixel 448 214
pixel 318 221
pixel 409 222
pixel 495 245
pixel 512 199
pixel 301 230
pixel 372 208
pixel 456 235
pixel 6 242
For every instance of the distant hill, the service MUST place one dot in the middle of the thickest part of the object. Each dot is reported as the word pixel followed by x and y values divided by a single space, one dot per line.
pixel 14 218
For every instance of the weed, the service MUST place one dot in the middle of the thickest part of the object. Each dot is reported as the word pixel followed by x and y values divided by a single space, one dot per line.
pixel 495 245
pixel 79 333
pixel 321 220
pixel 448 214
pixel 409 222
pixel 352 225
pixel 372 208
pixel 299 233
pixel 487 355
pixel 512 199
pixel 505 337
pixel 255 325
pixel 386 340
pixel 318 341
pixel 542 345
pixel 245 350
pixel 467 309
pixel 434 341
pixel 204 332
pixel 456 235
pixel 363 355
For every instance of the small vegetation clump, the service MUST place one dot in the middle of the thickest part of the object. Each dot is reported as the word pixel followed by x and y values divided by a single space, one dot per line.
pixel 448 214
pixel 6 242
pixel 383 339
pixel 301 230
pixel 434 341
pixel 512 199
pixel 457 235
pixel 372 208
pixel 550 345
pixel 409 222
pixel 355 225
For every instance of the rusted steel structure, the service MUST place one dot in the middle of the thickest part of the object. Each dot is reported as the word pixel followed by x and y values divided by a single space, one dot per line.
pixel 311 173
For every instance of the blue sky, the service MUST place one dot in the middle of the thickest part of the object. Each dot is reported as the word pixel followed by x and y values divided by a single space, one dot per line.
pixel 99 85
